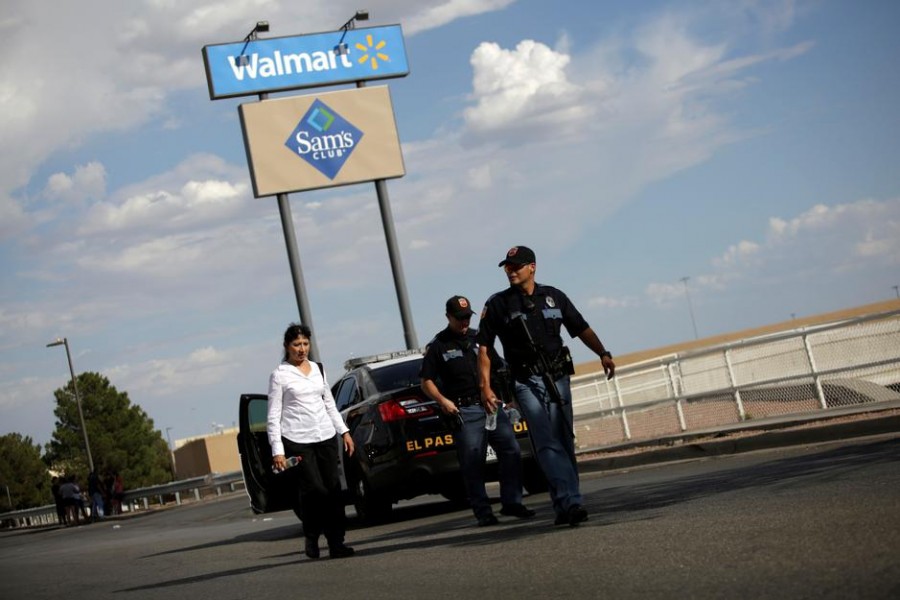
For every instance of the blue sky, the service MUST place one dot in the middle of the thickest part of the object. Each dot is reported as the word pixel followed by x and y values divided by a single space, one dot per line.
pixel 749 145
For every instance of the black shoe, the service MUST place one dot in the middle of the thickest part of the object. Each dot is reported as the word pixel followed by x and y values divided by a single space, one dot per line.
pixel 517 510
pixel 487 521
pixel 577 514
pixel 572 517
pixel 340 551
pixel 312 548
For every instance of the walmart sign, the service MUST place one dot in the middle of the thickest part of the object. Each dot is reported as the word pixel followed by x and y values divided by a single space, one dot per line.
pixel 295 62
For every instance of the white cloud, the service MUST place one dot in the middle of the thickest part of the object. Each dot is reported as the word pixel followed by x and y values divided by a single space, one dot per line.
pixel 196 202
pixel 200 191
pixel 816 244
pixel 737 253
pixel 525 86
pixel 663 293
pixel 88 181
pixel 846 235
pixel 601 302
pixel 424 16
pixel 175 375
pixel 12 218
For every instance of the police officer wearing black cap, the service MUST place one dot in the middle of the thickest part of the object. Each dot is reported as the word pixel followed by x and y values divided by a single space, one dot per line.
pixel 544 310
pixel 450 376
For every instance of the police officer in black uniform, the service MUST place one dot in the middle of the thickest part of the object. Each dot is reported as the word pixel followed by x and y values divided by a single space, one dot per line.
pixel 450 377
pixel 544 310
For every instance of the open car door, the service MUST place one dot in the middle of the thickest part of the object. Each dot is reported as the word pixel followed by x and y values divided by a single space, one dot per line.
pixel 268 491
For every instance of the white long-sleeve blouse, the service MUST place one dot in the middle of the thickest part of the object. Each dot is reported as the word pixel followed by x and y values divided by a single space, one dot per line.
pixel 301 407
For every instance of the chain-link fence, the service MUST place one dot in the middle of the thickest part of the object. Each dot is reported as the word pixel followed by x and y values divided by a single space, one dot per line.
pixel 777 377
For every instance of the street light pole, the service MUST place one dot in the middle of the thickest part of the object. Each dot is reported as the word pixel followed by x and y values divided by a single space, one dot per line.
pixel 87 443
pixel 684 280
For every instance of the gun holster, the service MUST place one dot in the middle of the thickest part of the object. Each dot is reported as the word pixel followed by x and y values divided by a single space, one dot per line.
pixel 502 384
pixel 564 364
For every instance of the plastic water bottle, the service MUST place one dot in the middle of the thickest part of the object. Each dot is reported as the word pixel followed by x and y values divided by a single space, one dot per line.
pixel 515 417
pixel 490 421
pixel 290 461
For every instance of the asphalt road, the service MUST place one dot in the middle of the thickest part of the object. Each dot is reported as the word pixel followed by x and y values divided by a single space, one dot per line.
pixel 804 522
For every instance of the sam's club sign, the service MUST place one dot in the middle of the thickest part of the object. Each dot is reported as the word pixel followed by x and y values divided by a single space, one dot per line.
pixel 296 62
pixel 324 139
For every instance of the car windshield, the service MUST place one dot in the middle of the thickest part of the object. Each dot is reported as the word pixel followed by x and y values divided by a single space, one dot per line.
pixel 399 375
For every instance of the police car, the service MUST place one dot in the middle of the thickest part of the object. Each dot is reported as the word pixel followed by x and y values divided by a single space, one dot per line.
pixel 404 446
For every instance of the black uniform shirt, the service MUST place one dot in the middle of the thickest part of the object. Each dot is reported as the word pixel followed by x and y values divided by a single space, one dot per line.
pixel 452 362
pixel 544 312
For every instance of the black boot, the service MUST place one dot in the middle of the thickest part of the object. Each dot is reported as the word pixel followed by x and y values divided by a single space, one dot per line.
pixel 312 547
pixel 339 550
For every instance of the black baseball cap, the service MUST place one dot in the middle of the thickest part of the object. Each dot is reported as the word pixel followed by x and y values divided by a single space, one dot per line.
pixel 459 307
pixel 518 255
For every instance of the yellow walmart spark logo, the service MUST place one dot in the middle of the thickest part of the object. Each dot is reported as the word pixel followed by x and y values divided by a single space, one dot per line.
pixel 372 53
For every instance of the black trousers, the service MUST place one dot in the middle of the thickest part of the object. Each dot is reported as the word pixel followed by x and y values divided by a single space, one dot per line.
pixel 318 489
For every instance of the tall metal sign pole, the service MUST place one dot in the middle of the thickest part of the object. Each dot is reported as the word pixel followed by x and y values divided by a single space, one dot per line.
pixel 290 240
pixel 290 237
pixel 279 64
pixel 390 237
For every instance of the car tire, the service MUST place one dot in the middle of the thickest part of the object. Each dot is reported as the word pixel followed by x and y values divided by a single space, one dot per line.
pixel 533 479
pixel 371 506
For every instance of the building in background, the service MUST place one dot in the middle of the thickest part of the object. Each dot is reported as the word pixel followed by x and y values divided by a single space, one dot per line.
pixel 213 453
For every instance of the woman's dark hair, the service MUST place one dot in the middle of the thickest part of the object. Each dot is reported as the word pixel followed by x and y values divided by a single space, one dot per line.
pixel 294 331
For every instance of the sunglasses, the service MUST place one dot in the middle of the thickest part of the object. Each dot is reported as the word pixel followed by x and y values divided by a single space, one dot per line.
pixel 513 267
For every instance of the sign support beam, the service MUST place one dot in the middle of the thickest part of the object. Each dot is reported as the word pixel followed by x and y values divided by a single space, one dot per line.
pixel 290 241
pixel 390 236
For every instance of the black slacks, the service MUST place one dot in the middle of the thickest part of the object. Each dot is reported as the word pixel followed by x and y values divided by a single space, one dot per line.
pixel 318 489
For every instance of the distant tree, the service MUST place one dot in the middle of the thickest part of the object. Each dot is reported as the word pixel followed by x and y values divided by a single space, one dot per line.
pixel 121 435
pixel 23 471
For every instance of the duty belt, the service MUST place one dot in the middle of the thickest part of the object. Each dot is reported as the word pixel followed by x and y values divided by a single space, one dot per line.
pixel 468 401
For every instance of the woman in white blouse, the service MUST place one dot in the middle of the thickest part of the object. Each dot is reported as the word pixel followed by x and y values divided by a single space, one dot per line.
pixel 303 424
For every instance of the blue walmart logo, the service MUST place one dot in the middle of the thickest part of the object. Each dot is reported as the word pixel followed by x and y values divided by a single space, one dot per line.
pixel 324 139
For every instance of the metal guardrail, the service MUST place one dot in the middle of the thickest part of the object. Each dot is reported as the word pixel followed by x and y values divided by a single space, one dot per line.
pixel 778 377
pixel 137 499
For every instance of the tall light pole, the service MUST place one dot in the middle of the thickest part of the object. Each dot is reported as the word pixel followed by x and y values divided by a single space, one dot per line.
pixel 87 443
pixel 684 280
pixel 897 291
